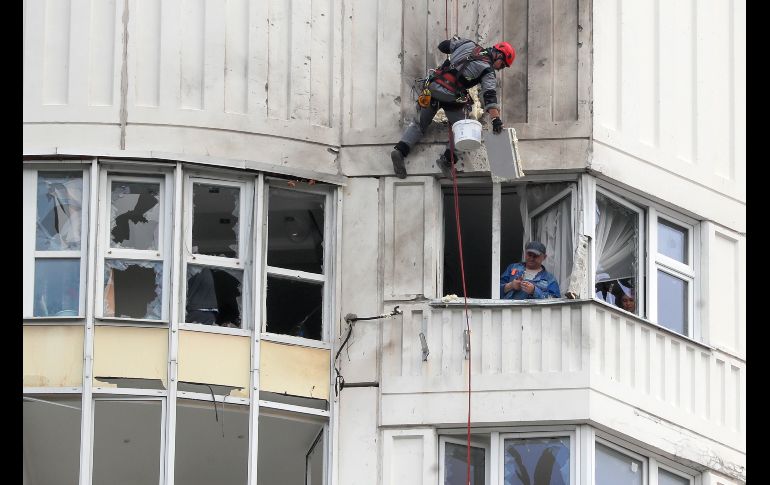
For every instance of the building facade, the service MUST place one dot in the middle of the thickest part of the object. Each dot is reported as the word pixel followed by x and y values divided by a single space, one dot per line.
pixel 224 282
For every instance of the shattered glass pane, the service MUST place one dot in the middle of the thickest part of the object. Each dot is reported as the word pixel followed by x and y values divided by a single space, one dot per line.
pixel 294 307
pixel 57 287
pixel 296 230
pixel 135 215
pixel 613 467
pixel 216 212
pixel 672 302
pixel 537 460
pixel 133 289
pixel 214 296
pixel 59 211
pixel 455 465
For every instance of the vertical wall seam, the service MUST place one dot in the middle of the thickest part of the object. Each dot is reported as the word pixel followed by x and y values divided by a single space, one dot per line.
pixel 124 79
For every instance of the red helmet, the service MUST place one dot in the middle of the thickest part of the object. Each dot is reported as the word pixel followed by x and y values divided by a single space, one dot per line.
pixel 508 53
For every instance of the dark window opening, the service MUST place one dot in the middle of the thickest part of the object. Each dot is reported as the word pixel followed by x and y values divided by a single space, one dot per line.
pixel 214 296
pixel 476 222
pixel 216 212
pixel 296 231
pixel 132 289
pixel 294 307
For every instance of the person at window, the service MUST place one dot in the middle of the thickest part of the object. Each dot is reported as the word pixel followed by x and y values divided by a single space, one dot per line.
pixel 627 299
pixel 529 279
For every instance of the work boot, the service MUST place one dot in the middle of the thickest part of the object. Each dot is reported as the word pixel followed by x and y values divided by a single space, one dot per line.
pixel 444 162
pixel 400 151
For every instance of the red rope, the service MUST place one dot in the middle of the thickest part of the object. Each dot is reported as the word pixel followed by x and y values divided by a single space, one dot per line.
pixel 465 297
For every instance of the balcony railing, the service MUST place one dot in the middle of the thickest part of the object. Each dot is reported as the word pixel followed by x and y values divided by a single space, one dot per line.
pixel 564 351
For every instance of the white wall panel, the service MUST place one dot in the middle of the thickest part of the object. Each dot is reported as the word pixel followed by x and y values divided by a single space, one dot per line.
pixel 409 456
pixel 669 91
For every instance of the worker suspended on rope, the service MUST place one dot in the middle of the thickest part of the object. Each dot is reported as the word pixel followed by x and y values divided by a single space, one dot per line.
pixel 447 88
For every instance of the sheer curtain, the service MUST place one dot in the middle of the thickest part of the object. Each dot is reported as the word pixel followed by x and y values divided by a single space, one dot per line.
pixel 617 231
pixel 554 229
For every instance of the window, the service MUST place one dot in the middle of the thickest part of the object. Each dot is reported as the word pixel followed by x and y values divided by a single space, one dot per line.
pixel 215 248
pixel 618 464
pixel 51 439
pixel 135 242
pixel 453 459
pixel 497 221
pixel 632 241
pixel 296 262
pixel 55 247
pixel 538 459
pixel 127 441
pixel 291 448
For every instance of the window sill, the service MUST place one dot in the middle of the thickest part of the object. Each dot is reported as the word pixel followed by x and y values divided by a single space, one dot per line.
pixel 53 320
pixel 292 340
pixel 197 327
pixel 130 322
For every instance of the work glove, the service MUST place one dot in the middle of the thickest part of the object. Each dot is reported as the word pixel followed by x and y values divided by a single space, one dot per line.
pixel 497 125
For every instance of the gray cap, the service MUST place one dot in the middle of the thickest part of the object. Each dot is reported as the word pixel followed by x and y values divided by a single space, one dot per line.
pixel 535 247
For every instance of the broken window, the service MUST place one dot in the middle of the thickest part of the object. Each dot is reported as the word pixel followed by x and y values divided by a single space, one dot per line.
pixel 51 437
pixel 133 289
pixel 216 256
pixel 214 296
pixel 135 215
pixel 212 443
pixel 453 462
pixel 292 449
pixel 295 263
pixel 543 212
pixel 127 441
pixel 133 265
pixel 537 460
pixel 617 252
pixel 58 248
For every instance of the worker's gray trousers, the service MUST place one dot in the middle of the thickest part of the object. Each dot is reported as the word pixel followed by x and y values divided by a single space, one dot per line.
pixel 423 118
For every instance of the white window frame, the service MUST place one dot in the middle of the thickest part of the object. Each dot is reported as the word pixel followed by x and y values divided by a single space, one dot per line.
pixel 29 234
pixel 166 221
pixel 124 398
pixel 651 462
pixel 651 260
pixel 521 188
pixel 246 202
pixel 686 272
pixel 444 439
pixel 574 458
pixel 642 281
pixel 324 279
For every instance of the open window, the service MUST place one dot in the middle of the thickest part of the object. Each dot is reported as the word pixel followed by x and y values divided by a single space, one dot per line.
pixel 453 454
pixel 497 221
pixel 134 247
pixel 296 262
pixel 216 245
pixel 55 247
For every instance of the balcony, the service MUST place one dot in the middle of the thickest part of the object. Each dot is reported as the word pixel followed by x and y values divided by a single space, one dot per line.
pixel 560 361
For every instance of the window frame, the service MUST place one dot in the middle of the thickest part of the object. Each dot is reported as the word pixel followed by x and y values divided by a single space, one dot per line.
pixel 651 260
pixel 444 439
pixel 151 174
pixel 571 433
pixel 575 187
pixel 246 245
pixel 326 279
pixel 30 253
pixel 544 207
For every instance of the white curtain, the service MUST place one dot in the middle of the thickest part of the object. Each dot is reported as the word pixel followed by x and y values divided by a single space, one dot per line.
pixel 617 230
pixel 553 228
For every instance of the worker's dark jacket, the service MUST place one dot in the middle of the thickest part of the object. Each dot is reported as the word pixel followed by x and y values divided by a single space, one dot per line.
pixel 458 50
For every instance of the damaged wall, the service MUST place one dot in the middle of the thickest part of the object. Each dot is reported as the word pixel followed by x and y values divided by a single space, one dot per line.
pixel 130 353
pixel 294 370
pixel 215 359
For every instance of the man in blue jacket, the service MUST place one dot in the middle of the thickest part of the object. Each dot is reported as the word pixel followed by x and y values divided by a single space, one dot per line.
pixel 529 279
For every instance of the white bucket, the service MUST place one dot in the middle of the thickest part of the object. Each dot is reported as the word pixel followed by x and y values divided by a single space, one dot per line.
pixel 467 135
